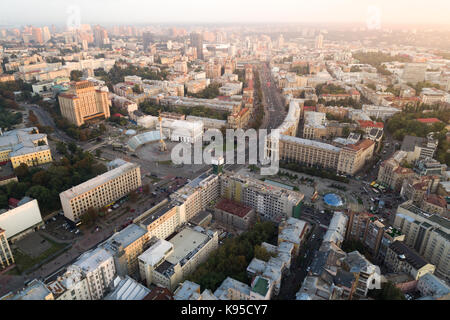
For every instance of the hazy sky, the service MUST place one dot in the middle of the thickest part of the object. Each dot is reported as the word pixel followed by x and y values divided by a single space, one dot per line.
pixel 155 11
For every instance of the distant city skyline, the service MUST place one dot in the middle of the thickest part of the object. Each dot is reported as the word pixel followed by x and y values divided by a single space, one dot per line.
pixel 383 12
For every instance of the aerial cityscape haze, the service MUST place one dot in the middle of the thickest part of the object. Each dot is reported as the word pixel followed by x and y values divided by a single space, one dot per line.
pixel 236 151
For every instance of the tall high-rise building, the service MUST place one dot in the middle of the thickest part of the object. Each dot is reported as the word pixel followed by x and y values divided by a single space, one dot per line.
pixel 37 35
pixel 319 41
pixel 46 36
pixel 84 45
pixel 100 36
pixel 82 102
pixel 147 39
pixel 197 42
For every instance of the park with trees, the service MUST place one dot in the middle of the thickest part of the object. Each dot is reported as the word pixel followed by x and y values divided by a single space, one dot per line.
pixel 232 258
pixel 45 185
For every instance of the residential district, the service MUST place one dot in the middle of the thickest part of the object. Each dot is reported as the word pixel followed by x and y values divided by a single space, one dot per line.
pixel 92 206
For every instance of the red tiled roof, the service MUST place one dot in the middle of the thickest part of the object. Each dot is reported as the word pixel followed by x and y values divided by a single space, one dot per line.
pixel 335 95
pixel 233 207
pixel 436 200
pixel 428 120
pixel 364 144
pixel 370 124
pixel 13 202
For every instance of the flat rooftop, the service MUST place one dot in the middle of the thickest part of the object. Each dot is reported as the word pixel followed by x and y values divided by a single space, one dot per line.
pixel 91 260
pixel 185 242
pixel 128 235
pixel 98 181
pixel 157 214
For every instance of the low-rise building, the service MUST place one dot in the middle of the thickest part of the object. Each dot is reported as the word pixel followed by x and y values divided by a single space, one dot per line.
pixel 400 258
pixel 431 286
pixel 35 290
pixel 293 231
pixel 167 263
pixel 127 288
pixel 337 229
pixel 189 290
pixel 418 148
pixel 21 220
pixel 234 214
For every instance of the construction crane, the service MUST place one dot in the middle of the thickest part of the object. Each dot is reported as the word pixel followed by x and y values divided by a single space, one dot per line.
pixel 162 144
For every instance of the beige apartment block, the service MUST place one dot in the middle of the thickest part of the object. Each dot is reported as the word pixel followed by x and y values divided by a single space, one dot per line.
pixel 101 190
pixel 82 102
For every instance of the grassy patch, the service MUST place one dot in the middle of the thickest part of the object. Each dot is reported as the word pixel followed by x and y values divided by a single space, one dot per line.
pixel 165 162
pixel 25 262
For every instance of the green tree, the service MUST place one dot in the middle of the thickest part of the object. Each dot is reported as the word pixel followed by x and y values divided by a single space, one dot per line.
pixel 75 75
pixel 388 291
pixel 21 170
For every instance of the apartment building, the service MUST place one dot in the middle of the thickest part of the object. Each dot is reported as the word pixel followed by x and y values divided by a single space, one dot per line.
pixel 6 256
pixel 189 290
pixel 162 220
pixel 234 214
pixel 82 102
pixel 307 152
pixel 97 266
pixel 401 258
pixel 35 290
pixel 213 70
pixel 372 232
pixel 432 96
pixel 336 229
pixel 431 286
pixel 101 190
pixel 72 285
pixel 368 273
pixel 195 86
pixel 427 234
pixel 198 194
pixel 215 104
pixel 391 174
pixel 261 288
pixel 418 148
pixel 273 204
pixel 435 204
pixel 125 246
pixel 167 263
pixel 416 188
pixel 353 157
pixel 239 120
pixel 314 125
pixel 293 231
pixel 25 145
